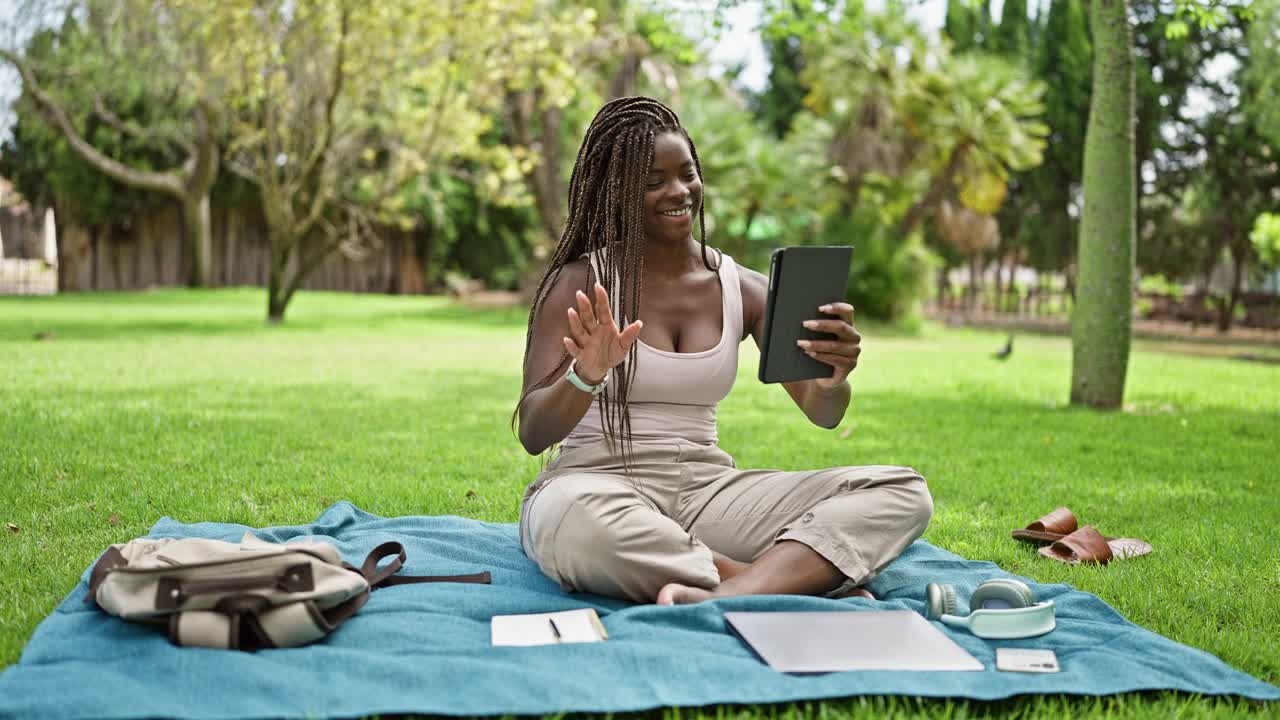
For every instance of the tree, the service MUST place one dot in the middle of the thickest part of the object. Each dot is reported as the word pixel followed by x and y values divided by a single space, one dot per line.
pixel 127 42
pixel 614 47
pixel 1101 320
pixel 1261 77
pixel 784 96
pixel 981 114
pixel 1012 37
pixel 340 109
pixel 46 171
pixel 966 23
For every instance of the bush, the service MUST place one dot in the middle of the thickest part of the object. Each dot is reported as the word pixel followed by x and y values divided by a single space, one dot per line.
pixel 889 278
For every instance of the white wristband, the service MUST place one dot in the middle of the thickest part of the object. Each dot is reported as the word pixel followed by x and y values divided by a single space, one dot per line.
pixel 583 385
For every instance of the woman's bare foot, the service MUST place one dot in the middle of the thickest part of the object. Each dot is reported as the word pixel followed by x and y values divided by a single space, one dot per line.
pixel 677 594
pixel 787 568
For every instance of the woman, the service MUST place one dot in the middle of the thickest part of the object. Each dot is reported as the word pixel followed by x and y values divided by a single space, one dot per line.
pixel 633 340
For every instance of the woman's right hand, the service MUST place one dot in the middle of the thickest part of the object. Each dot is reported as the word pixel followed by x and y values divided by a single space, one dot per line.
pixel 594 339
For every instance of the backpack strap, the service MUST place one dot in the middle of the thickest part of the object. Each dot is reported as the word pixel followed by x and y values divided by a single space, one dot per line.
pixel 379 578
pixel 112 559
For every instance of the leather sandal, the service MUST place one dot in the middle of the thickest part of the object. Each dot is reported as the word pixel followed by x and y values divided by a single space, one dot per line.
pixel 1087 545
pixel 1052 527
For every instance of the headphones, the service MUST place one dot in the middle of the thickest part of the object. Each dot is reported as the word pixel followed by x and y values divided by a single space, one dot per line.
pixel 1000 608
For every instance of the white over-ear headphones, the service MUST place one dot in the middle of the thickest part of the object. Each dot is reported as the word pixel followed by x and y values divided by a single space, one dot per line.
pixel 1000 608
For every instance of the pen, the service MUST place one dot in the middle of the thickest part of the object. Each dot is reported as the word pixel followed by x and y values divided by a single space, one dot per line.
pixel 554 630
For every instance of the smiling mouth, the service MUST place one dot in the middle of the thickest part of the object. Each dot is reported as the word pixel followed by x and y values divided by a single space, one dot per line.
pixel 676 213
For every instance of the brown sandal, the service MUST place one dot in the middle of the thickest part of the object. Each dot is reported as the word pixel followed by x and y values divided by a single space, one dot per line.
pixel 1087 545
pixel 1049 528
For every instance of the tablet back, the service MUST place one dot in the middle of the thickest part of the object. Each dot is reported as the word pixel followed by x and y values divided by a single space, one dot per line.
pixel 800 280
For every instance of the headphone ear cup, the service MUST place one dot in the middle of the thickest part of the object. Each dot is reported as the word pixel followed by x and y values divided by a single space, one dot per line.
pixel 941 600
pixel 1001 593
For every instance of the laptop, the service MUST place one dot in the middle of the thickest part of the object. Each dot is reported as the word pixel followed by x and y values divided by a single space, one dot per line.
pixel 843 640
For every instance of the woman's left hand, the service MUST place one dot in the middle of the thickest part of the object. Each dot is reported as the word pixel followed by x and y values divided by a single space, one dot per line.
pixel 841 353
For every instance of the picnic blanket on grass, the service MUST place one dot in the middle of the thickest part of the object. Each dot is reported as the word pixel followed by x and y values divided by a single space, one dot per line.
pixel 426 648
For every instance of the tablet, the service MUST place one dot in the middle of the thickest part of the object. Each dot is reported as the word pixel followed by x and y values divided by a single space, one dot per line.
pixel 800 280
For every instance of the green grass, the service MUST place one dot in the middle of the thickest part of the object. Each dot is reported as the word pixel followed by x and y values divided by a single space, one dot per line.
pixel 184 404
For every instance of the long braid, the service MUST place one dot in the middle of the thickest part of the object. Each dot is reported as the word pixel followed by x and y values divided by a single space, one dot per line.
pixel 606 214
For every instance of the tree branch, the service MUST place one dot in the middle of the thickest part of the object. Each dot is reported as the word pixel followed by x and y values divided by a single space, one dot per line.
pixel 339 75
pixel 166 182
pixel 132 130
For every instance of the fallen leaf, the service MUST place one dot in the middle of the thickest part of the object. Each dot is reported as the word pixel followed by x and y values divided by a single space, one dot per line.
pixel 114 519
pixel 12 527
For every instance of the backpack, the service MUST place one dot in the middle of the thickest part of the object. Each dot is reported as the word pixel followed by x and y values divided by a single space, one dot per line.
pixel 247 595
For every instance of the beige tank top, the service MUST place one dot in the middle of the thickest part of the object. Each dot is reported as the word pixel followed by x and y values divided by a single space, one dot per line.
pixel 675 395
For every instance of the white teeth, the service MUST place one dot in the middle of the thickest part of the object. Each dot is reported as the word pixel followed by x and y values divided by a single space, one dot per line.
pixel 675 213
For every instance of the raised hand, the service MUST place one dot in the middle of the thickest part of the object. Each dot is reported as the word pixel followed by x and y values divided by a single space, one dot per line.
pixel 594 339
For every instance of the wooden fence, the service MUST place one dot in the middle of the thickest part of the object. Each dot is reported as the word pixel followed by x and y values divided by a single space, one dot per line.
pixel 150 251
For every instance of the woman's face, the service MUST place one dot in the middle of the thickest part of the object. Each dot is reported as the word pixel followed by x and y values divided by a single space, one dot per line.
pixel 673 191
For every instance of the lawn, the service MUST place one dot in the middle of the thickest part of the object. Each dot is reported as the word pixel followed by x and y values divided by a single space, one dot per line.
pixel 119 409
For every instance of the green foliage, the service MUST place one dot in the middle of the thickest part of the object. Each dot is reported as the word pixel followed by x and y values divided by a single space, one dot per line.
pixel 966 24
pixel 1266 239
pixel 470 233
pixel 889 278
pixel 761 192
pixel 1262 80
pixel 1160 285
pixel 38 159
pixel 1012 37
pixel 982 101
pixel 784 96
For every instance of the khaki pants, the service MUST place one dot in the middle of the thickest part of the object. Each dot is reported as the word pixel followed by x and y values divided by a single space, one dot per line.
pixel 592 529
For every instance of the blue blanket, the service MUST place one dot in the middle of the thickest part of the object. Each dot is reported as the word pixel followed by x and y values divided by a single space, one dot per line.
pixel 425 648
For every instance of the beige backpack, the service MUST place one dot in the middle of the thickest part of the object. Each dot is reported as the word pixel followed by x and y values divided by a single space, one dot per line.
pixel 247 595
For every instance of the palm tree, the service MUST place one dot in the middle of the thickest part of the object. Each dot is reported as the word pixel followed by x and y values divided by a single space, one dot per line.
pixel 978 115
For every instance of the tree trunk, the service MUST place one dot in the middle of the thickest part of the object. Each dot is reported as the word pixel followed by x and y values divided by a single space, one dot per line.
pixel 199 227
pixel 1227 308
pixel 543 180
pixel 276 303
pixel 1101 324
pixel 975 272
pixel 999 273
pixel 936 189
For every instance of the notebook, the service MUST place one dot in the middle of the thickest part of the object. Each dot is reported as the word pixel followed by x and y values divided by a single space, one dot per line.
pixel 801 279
pixel 568 626
pixel 836 641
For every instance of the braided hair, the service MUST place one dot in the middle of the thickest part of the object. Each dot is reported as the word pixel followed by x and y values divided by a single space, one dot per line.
pixel 606 205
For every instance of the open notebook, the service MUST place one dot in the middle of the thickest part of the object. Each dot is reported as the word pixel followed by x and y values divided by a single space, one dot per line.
pixel 568 626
